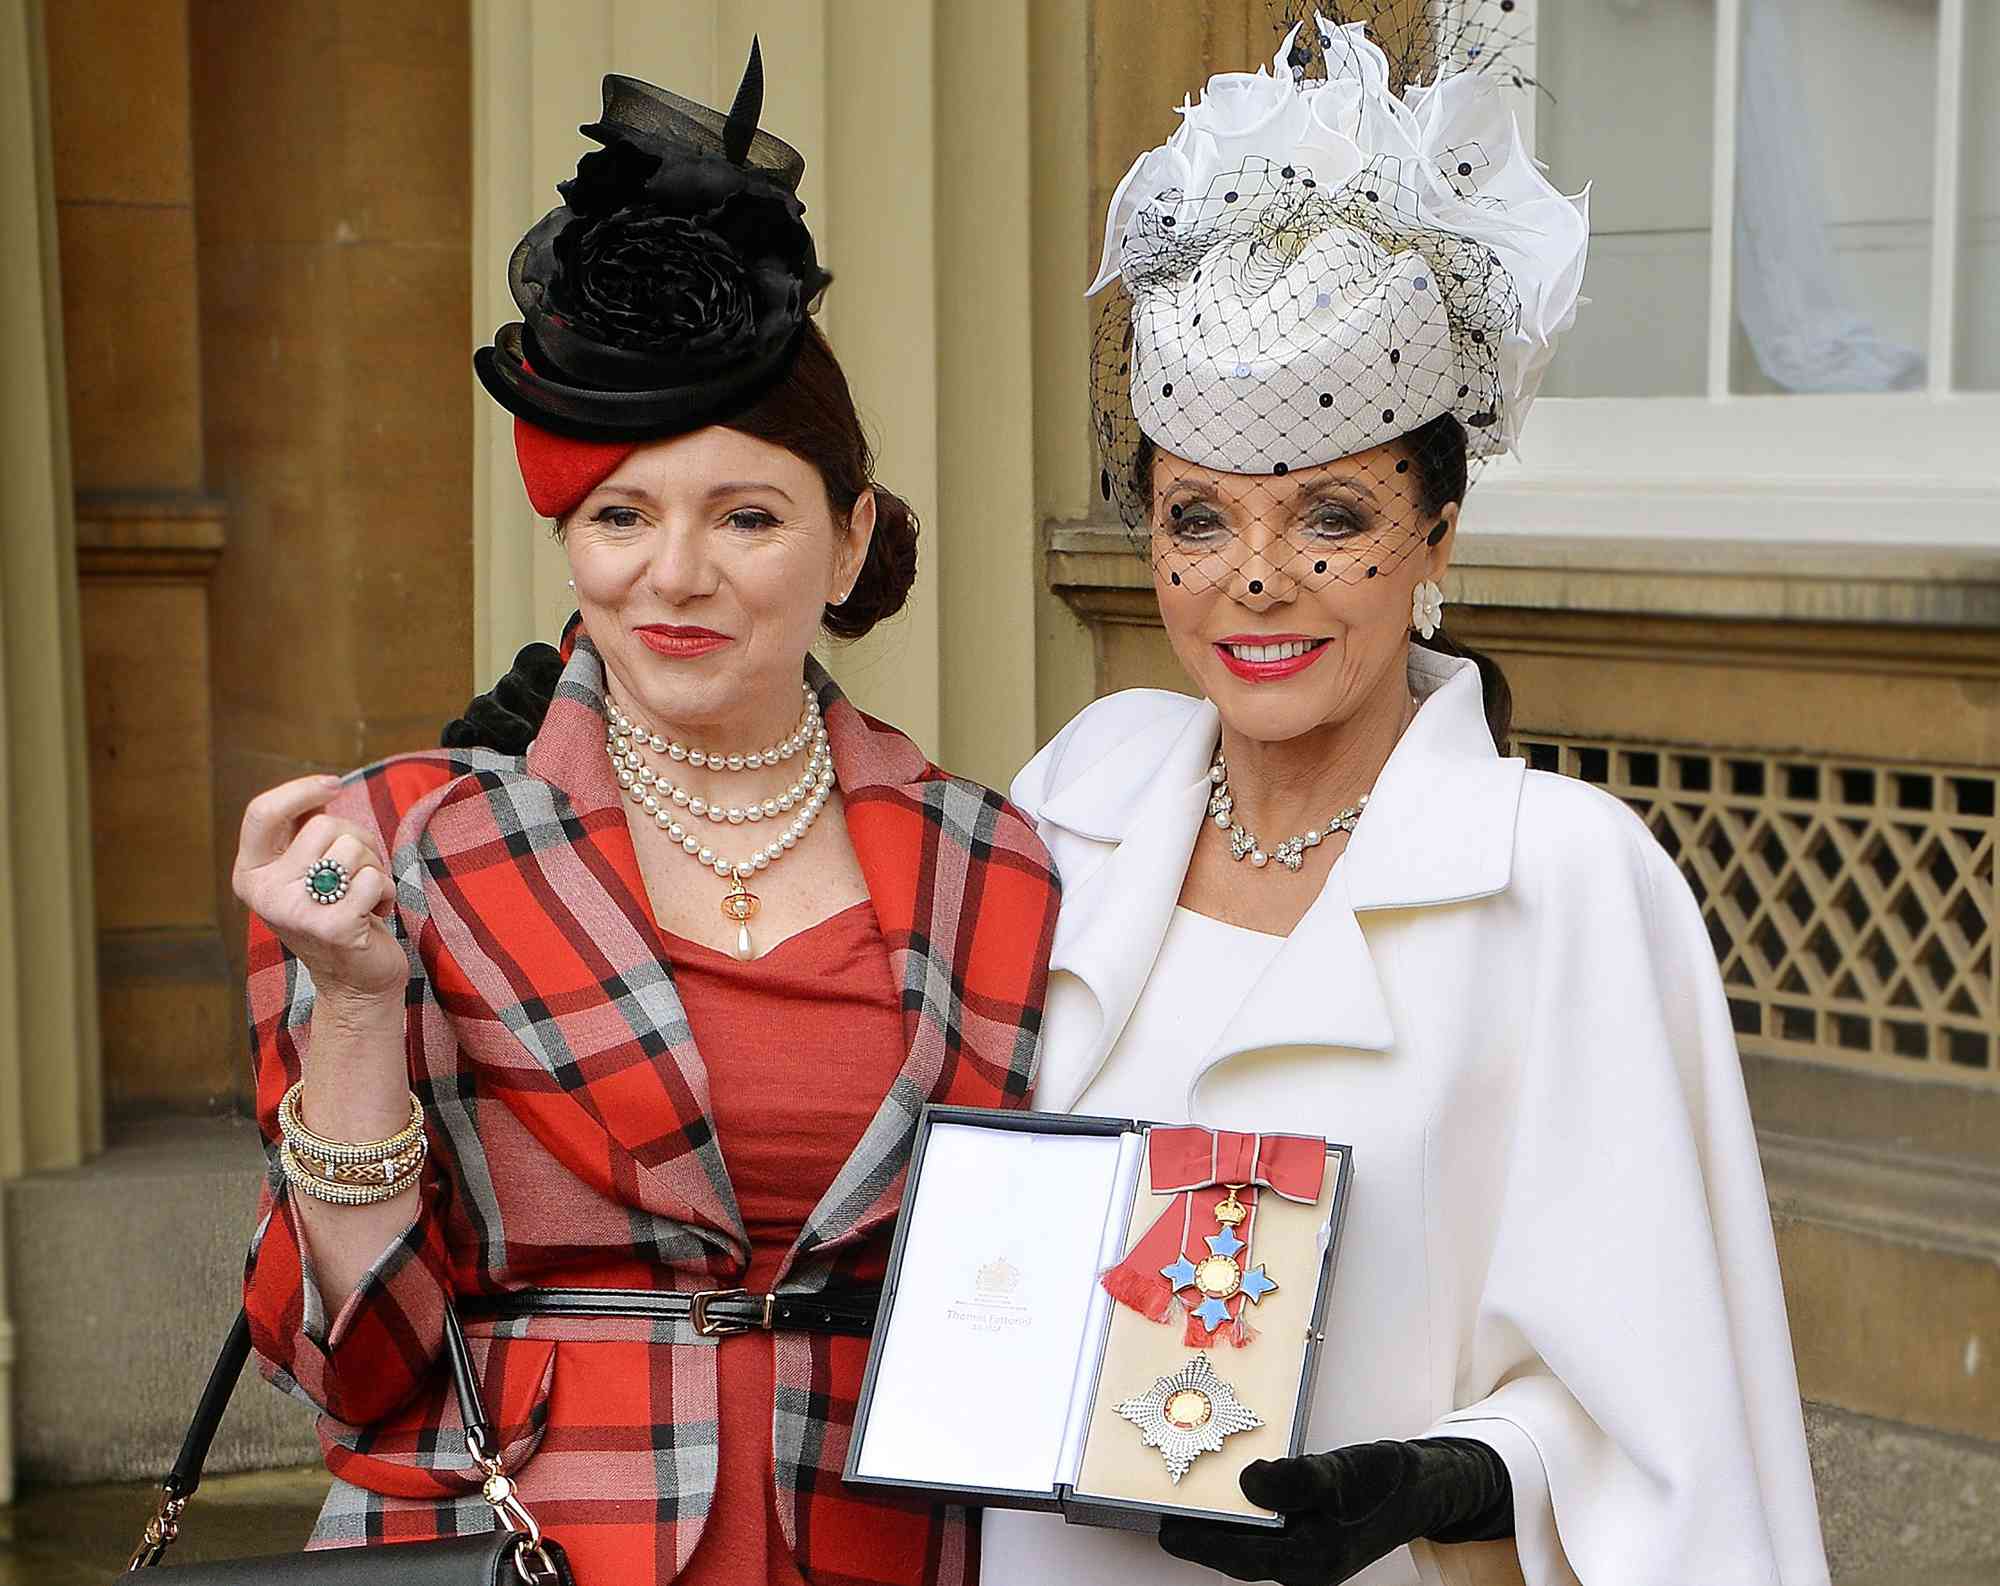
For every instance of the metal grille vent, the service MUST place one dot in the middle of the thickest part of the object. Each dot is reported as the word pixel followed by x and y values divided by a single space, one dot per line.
pixel 1851 905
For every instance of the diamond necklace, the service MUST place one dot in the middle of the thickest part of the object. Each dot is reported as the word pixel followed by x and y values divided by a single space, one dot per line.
pixel 626 742
pixel 1291 853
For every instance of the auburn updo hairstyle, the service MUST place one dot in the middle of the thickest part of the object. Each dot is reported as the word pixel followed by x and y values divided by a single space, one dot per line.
pixel 810 412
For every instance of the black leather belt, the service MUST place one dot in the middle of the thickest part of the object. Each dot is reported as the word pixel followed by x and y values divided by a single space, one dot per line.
pixel 715 1313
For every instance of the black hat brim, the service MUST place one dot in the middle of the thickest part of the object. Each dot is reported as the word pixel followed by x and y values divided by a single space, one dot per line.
pixel 592 415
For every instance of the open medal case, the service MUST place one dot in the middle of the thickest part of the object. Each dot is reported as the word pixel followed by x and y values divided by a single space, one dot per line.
pixel 1004 1373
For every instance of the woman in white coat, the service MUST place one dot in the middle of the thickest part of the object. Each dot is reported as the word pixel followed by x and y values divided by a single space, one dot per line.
pixel 1319 899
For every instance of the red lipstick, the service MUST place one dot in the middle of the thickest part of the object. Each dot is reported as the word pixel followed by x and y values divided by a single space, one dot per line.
pixel 681 644
pixel 1270 671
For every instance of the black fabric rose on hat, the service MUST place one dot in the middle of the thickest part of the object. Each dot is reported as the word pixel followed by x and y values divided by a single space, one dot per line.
pixel 655 283
pixel 672 284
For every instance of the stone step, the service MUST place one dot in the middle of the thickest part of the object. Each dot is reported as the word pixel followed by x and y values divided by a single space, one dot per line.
pixel 124 1276
pixel 1904 1506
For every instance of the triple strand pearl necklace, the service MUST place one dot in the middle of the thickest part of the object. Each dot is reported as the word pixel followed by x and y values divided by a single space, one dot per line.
pixel 1291 853
pixel 674 808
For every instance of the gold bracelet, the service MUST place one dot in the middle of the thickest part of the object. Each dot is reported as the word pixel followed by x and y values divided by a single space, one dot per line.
pixel 306 1183
pixel 300 1138
pixel 390 1170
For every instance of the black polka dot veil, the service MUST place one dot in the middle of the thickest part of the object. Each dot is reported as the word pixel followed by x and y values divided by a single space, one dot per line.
pixel 1324 298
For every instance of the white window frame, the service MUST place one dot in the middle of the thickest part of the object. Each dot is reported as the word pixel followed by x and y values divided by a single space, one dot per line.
pixel 1919 467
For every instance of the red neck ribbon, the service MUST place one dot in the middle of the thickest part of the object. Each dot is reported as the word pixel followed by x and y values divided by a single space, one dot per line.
pixel 1185 1162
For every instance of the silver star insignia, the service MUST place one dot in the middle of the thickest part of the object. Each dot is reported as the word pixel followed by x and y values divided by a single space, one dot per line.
pixel 1188 1414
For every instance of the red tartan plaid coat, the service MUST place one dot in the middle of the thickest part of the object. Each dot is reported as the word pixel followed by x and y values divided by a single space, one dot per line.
pixel 572 1144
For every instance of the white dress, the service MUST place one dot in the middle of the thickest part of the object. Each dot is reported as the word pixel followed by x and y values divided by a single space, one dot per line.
pixel 1205 969
pixel 1504 999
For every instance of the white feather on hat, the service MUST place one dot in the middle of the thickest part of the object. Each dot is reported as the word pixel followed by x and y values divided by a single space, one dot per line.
pixel 1318 267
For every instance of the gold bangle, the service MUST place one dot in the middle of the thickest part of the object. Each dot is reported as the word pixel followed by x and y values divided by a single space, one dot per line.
pixel 338 1194
pixel 300 1138
pixel 390 1170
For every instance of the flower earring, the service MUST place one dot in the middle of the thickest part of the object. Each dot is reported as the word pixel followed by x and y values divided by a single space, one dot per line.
pixel 1427 608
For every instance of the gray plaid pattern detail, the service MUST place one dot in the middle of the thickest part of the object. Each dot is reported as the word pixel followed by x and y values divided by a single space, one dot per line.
pixel 352 1516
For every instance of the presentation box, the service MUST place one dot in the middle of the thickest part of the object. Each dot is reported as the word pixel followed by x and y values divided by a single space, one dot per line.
pixel 1003 1373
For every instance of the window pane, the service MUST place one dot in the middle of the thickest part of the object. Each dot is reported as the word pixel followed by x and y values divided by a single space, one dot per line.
pixel 1646 137
pixel 1978 367
pixel 1836 131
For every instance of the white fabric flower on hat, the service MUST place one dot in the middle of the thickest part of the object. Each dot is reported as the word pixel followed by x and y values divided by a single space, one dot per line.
pixel 1319 267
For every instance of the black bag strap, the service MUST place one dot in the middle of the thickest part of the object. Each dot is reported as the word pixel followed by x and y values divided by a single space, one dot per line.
pixel 180 1482
pixel 185 1476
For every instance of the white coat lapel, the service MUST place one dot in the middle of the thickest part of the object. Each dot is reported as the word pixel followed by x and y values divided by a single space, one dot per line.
pixel 1321 989
pixel 1439 829
pixel 1147 799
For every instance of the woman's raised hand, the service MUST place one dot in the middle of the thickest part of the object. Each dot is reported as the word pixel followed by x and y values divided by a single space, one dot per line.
pixel 349 951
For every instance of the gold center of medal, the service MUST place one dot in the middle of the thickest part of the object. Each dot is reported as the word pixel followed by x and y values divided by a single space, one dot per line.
pixel 1188 1409
pixel 1218 1277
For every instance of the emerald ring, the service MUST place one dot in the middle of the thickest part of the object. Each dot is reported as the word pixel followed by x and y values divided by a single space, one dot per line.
pixel 326 882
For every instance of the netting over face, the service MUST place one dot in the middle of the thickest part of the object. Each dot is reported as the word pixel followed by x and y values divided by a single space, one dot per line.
pixel 1267 538
pixel 1309 580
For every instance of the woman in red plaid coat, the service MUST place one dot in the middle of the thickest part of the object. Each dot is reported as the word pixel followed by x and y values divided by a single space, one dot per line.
pixel 667 992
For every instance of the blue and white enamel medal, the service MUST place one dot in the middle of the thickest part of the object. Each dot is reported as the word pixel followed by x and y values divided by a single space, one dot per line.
pixel 1219 1277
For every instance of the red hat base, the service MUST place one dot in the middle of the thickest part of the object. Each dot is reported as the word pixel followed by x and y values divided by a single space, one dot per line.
pixel 560 472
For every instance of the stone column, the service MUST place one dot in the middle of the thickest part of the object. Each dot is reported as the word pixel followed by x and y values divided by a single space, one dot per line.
pixel 50 1114
pixel 148 540
pixel 332 199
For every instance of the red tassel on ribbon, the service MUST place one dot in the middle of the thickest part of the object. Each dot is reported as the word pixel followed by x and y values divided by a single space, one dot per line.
pixel 1184 1161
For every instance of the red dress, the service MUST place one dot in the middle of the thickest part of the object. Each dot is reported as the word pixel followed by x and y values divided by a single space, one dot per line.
pixel 801 1046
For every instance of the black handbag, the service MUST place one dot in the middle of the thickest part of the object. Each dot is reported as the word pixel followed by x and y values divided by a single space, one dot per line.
pixel 515 1552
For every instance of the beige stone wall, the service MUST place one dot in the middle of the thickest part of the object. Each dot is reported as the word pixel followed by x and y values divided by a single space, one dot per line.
pixel 333 199
pixel 263 215
pixel 124 170
pixel 51 1112
pixel 146 543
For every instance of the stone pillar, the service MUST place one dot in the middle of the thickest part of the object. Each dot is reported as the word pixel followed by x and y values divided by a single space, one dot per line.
pixel 50 1113
pixel 332 198
pixel 148 540
pixel 171 1014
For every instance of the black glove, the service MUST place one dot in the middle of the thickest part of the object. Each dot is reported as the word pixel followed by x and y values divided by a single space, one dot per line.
pixel 1346 1509
pixel 508 718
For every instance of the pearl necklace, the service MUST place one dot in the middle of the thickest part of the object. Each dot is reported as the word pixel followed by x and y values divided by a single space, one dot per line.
pixel 724 762
pixel 626 741
pixel 1291 853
